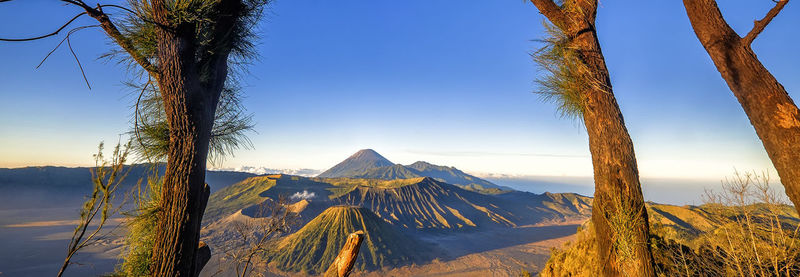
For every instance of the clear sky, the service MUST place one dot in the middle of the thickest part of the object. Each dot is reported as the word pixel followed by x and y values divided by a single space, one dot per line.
pixel 449 82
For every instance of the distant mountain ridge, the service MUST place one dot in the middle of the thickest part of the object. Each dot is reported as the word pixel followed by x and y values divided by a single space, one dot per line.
pixel 368 164
pixel 78 179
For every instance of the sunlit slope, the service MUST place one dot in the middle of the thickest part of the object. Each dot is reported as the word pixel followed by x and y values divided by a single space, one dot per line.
pixel 256 190
pixel 687 223
pixel 314 247
pixel 427 204
pixel 679 235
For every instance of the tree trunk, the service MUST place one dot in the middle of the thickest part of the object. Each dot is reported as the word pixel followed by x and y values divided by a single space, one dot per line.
pixel 190 109
pixel 619 215
pixel 771 111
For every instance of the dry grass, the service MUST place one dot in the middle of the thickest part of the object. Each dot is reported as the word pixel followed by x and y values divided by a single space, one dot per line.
pixel 752 233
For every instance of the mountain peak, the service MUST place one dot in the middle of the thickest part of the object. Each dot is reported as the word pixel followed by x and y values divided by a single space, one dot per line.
pixel 357 163
pixel 367 154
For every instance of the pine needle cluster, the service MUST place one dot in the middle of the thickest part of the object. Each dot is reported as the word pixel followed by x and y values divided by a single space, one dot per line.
pixel 563 80
pixel 231 122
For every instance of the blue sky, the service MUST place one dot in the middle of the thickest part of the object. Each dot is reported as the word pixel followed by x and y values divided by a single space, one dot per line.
pixel 443 81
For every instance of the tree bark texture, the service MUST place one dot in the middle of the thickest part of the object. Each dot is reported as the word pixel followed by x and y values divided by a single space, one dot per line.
pixel 771 111
pixel 190 108
pixel 619 215
pixel 346 259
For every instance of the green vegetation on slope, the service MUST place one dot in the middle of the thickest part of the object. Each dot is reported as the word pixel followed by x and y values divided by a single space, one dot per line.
pixel 397 171
pixel 238 196
pixel 314 247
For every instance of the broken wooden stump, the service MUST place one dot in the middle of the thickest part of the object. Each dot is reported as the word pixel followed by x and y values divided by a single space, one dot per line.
pixel 347 257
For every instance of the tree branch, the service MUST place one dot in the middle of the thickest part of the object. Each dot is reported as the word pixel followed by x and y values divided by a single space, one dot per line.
pixel 759 25
pixel 47 35
pixel 553 12
pixel 119 38
pixel 108 26
pixel 69 45
pixel 710 27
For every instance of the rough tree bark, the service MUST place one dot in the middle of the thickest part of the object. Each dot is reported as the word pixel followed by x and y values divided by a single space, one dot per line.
pixel 771 111
pixel 190 104
pixel 619 215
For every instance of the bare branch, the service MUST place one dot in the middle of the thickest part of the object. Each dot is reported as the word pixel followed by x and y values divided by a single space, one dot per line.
pixel 118 7
pixel 108 26
pixel 69 45
pixel 62 42
pixel 759 25
pixel 47 35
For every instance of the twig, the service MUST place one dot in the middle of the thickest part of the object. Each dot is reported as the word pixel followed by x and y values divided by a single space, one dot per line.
pixel 47 35
pixel 62 42
pixel 759 25
pixel 69 45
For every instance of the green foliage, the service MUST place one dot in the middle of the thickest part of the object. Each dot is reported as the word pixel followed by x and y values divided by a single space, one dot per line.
pixel 151 129
pixel 564 82
pixel 141 224
pixel 230 123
